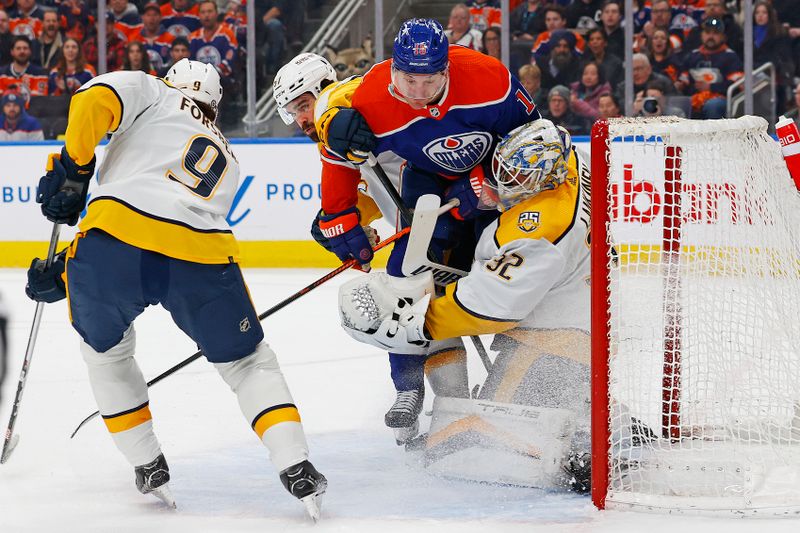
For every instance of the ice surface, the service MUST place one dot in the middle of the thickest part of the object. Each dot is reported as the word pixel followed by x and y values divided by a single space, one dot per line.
pixel 221 476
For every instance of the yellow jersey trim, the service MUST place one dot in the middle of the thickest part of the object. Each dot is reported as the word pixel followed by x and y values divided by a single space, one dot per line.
pixel 93 112
pixel 164 236
pixel 447 318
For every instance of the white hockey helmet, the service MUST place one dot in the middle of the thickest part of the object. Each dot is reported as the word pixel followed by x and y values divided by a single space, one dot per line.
pixel 199 81
pixel 530 159
pixel 305 73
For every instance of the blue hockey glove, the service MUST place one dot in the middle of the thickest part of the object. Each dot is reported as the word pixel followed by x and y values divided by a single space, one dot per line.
pixel 62 191
pixel 346 236
pixel 349 135
pixel 46 284
pixel 468 191
pixel 316 232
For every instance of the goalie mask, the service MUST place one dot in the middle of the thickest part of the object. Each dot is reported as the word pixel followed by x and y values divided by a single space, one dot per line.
pixel 387 311
pixel 530 159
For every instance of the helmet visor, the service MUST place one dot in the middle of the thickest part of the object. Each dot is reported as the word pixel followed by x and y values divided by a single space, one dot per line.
pixel 418 88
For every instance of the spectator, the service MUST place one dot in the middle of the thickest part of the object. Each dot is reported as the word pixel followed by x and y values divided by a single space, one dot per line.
pixel 527 20
pixel 709 71
pixel 236 17
pixel 153 36
pixel 555 19
pixel 15 123
pixel 48 48
pixel 642 75
pixel 125 16
pixel 484 13
pixel 771 44
pixel 611 19
pixel 214 43
pixel 660 19
pixel 716 9
pixel 652 102
pixel 491 42
pixel 584 14
pixel 459 30
pixel 608 107
pixel 611 65
pixel 789 15
pixel 71 71
pixel 115 47
pixel 136 58
pixel 26 19
pixel 180 17
pixel 5 39
pixel 274 36
pixel 75 19
pixel 585 93
pixel 559 113
pixel 178 51
pixel 659 51
pixel 561 66
pixel 31 79
pixel 531 78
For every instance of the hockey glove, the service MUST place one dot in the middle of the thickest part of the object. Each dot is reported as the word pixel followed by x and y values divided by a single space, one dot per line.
pixel 345 236
pixel 349 135
pixel 316 232
pixel 468 191
pixel 62 191
pixel 46 284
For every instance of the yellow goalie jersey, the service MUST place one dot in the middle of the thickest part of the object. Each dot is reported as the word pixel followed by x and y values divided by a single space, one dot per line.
pixel 168 175
pixel 531 267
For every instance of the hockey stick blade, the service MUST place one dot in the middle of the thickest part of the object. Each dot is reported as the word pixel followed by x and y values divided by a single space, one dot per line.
pixel 416 258
pixel 275 308
pixel 8 448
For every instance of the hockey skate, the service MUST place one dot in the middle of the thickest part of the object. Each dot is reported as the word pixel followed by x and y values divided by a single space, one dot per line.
pixel 403 415
pixel 153 478
pixel 578 472
pixel 306 484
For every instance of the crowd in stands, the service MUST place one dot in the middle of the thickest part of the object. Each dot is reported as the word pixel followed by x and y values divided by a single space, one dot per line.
pixel 49 48
pixel 686 53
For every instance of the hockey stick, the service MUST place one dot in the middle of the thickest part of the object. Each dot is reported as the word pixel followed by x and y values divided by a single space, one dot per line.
pixel 272 310
pixel 11 440
pixel 442 275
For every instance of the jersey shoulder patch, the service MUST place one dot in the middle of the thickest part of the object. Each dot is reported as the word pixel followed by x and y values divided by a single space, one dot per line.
pixel 548 215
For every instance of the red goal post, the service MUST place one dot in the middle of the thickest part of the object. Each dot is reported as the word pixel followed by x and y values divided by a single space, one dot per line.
pixel 695 317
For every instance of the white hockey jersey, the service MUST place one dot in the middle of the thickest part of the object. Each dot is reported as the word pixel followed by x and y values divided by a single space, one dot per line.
pixel 531 267
pixel 168 176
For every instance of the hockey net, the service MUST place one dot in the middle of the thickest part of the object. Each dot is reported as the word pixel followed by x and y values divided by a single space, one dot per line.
pixel 695 317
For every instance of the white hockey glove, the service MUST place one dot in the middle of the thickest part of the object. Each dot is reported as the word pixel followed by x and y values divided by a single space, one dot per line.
pixel 386 311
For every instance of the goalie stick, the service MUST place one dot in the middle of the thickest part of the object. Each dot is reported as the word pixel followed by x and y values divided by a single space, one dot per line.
pixel 272 310
pixel 11 440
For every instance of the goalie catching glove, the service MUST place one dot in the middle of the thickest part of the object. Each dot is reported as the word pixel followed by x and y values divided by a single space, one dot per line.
pixel 387 311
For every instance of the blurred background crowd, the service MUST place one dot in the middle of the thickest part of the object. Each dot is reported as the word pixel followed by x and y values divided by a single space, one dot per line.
pixel 570 54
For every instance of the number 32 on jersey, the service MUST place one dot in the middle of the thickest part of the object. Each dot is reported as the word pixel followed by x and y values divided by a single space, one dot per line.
pixel 203 166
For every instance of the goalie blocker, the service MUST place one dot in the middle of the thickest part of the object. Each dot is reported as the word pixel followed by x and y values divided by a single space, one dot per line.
pixel 528 284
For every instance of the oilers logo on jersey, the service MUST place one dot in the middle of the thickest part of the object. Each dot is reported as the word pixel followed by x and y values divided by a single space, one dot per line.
pixel 528 221
pixel 210 55
pixel 459 153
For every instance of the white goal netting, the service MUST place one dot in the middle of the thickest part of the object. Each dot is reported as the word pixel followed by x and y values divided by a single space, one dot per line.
pixel 703 293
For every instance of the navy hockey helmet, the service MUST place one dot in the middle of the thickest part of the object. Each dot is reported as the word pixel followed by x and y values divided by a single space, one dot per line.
pixel 420 47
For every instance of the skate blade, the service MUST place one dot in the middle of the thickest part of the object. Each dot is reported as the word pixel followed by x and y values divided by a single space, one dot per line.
pixel 403 435
pixel 313 503
pixel 164 494
pixel 9 449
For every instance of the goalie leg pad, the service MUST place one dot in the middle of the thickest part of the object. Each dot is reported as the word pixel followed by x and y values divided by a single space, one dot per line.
pixel 446 369
pixel 267 404
pixel 120 391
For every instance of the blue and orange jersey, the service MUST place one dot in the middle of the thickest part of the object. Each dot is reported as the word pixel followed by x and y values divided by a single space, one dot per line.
pixel 481 103
pixel 180 23
pixel 720 68
pixel 32 82
pixel 128 23
pixel 31 27
pixel 75 21
pixel 70 82
pixel 219 50
pixel 157 46
pixel 483 16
